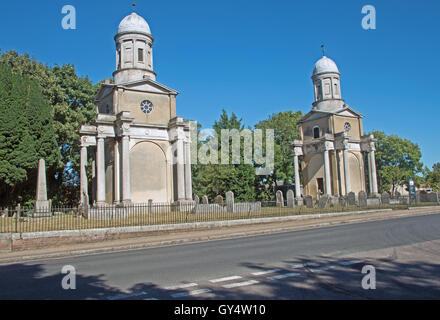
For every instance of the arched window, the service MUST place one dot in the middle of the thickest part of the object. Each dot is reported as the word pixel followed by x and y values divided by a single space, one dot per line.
pixel 316 133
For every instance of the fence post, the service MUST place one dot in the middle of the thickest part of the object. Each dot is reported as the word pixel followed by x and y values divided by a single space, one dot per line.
pixel 17 216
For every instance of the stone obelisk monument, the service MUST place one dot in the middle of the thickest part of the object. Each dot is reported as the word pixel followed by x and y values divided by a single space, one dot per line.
pixel 42 204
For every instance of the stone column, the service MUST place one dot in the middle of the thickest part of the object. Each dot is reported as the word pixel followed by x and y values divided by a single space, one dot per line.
pixel 188 174
pixel 116 172
pixel 328 186
pixel 369 172
pixel 297 179
pixel 100 172
pixel 373 168
pixel 83 174
pixel 180 170
pixel 126 184
pixel 347 170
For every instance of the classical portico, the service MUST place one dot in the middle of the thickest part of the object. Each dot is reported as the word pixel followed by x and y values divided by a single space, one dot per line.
pixel 139 146
pixel 332 147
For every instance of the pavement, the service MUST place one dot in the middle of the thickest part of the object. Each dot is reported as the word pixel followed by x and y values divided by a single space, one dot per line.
pixel 303 260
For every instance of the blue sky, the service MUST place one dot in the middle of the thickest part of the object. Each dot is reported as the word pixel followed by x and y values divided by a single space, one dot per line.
pixel 256 57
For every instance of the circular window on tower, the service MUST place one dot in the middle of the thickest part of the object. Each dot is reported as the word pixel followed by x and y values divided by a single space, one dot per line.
pixel 147 107
pixel 347 127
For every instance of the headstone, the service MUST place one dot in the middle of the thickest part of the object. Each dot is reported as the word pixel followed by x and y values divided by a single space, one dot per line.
pixel 385 198
pixel 308 201
pixel 432 197
pixel 351 198
pixel 41 204
pixel 196 199
pixel 343 201
pixel 219 200
pixel 323 202
pixel 205 200
pixel 230 201
pixel 247 207
pixel 362 199
pixel 290 199
pixel 374 202
pixel 208 208
pixel 280 199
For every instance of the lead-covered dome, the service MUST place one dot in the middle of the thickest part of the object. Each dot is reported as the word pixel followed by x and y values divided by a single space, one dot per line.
pixel 134 23
pixel 325 65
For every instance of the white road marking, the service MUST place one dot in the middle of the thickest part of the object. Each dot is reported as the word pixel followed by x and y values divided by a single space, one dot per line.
pixel 349 263
pixel 262 273
pixel 323 268
pixel 225 279
pixel 127 295
pixel 183 286
pixel 240 284
pixel 282 276
pixel 301 265
pixel 191 293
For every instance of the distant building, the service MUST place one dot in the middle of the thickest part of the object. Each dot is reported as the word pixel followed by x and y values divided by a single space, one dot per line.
pixel 333 146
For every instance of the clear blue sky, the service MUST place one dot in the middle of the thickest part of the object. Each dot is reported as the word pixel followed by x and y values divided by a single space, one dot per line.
pixel 256 57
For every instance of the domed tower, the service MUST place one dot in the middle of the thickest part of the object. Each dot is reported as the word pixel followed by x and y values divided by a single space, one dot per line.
pixel 134 50
pixel 327 84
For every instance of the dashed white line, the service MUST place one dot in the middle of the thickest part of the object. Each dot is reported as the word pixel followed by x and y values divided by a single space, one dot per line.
pixel 183 286
pixel 282 276
pixel 349 263
pixel 262 273
pixel 323 268
pixel 240 284
pixel 225 279
pixel 127 295
pixel 191 293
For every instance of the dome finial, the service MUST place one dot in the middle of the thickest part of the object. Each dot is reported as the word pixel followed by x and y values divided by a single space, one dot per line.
pixel 134 5
pixel 323 50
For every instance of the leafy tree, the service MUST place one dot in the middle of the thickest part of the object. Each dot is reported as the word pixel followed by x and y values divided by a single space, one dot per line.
pixel 397 159
pixel 286 130
pixel 72 104
pixel 26 135
pixel 432 178
pixel 217 179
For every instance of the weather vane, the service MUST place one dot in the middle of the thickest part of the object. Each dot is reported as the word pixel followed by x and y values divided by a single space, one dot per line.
pixel 323 50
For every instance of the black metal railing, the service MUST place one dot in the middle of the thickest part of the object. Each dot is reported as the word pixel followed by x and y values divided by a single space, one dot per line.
pixel 25 219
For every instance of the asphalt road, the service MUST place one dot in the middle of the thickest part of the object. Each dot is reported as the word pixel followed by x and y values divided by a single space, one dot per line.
pixel 322 263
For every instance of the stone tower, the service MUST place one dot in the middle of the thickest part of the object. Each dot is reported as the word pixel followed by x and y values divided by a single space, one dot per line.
pixel 332 145
pixel 140 146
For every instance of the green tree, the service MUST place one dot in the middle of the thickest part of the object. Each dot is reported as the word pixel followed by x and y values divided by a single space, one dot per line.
pixel 72 105
pixel 26 135
pixel 397 159
pixel 432 178
pixel 217 179
pixel 285 126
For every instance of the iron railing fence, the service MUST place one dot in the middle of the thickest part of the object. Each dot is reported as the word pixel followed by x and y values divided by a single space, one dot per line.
pixel 56 218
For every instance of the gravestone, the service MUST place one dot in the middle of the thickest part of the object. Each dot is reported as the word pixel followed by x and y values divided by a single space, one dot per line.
pixel 230 201
pixel 362 199
pixel 280 199
pixel 208 208
pixel 41 204
pixel 374 202
pixel 343 201
pixel 196 199
pixel 247 207
pixel 290 199
pixel 432 197
pixel 323 202
pixel 205 200
pixel 308 201
pixel 351 199
pixel 219 200
pixel 385 198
